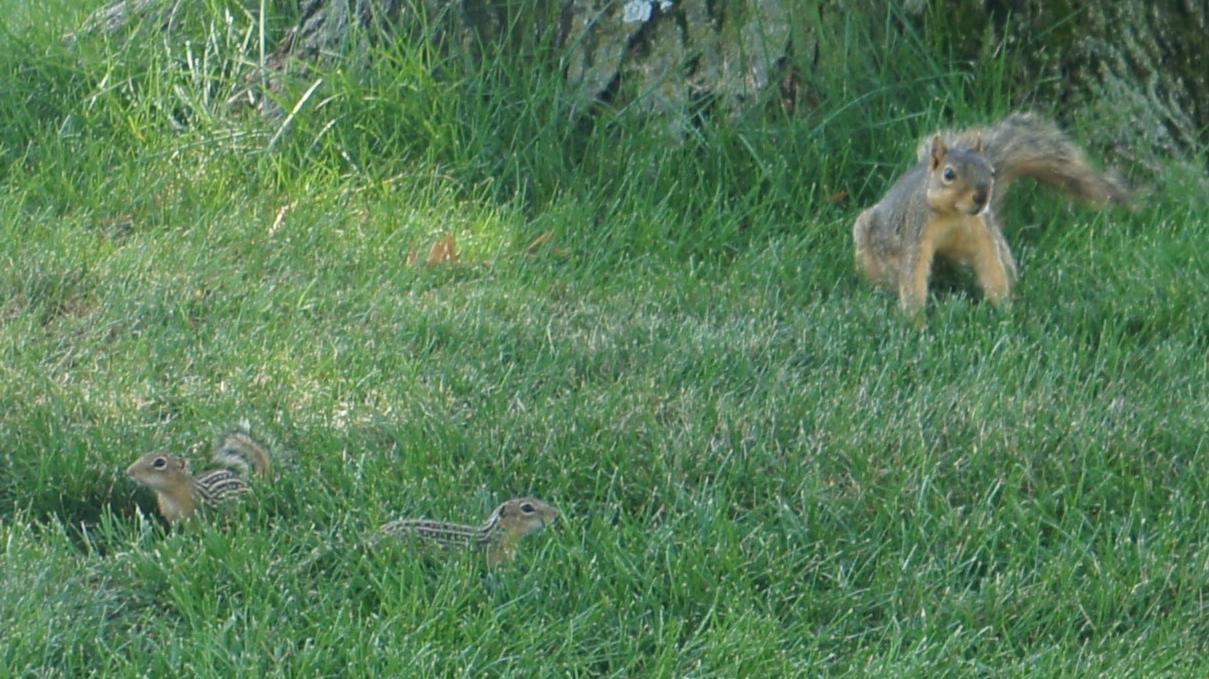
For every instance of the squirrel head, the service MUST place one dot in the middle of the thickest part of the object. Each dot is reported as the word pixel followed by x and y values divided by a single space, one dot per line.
pixel 959 179
pixel 523 516
pixel 159 471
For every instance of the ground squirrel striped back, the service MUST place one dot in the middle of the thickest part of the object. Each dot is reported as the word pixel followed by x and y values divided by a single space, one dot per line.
pixel 219 485
pixel 499 534
pixel 179 493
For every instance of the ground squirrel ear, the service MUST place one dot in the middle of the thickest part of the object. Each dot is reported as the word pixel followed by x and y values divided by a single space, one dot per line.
pixel 978 147
pixel 938 151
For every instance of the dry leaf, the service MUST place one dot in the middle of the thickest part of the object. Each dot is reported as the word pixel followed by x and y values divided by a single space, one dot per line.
pixel 279 220
pixel 445 251
pixel 839 197
pixel 413 256
pixel 538 242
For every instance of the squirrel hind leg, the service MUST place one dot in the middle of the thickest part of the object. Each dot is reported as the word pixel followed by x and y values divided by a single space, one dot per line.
pixel 876 266
pixel 868 265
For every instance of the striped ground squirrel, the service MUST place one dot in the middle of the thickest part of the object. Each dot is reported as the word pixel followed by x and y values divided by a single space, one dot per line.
pixel 179 493
pixel 498 535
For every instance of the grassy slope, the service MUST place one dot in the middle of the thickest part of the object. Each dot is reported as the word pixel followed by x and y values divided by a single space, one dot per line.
pixel 763 468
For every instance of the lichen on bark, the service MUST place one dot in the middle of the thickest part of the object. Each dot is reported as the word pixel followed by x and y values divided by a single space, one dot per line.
pixel 677 56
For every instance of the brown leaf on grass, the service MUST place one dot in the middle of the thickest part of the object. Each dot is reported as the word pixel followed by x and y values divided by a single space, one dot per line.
pixel 279 220
pixel 839 197
pixel 538 242
pixel 444 251
pixel 544 239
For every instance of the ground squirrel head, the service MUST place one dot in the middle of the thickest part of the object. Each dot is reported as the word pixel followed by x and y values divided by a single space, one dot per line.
pixel 523 516
pixel 159 471
pixel 959 179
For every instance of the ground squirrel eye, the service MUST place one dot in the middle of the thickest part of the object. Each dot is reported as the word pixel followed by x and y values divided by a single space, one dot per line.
pixel 527 508
pixel 950 174
pixel 159 463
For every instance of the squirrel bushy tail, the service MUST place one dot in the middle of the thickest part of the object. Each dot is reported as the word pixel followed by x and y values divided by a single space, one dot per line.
pixel 1027 145
pixel 947 205
pixel 238 449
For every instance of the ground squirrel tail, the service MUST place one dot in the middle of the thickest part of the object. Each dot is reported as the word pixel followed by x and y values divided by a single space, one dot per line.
pixel 239 449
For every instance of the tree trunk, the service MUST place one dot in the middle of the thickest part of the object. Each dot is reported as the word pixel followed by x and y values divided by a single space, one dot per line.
pixel 676 59
pixel 1135 69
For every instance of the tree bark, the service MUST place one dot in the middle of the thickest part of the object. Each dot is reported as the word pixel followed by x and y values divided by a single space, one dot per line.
pixel 676 59
pixel 115 17
pixel 1135 69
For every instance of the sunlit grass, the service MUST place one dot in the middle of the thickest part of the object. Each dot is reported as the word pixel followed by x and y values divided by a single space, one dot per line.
pixel 763 468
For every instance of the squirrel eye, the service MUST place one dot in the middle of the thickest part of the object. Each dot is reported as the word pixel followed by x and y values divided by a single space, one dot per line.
pixel 159 463
pixel 950 174
pixel 527 508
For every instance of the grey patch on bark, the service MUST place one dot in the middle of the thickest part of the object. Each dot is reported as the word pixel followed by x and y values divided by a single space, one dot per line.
pixel 116 16
pixel 676 55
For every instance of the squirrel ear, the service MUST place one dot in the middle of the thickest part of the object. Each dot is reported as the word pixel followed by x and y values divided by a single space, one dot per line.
pixel 938 151
pixel 978 146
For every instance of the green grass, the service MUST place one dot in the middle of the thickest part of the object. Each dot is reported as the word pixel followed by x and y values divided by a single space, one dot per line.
pixel 764 469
